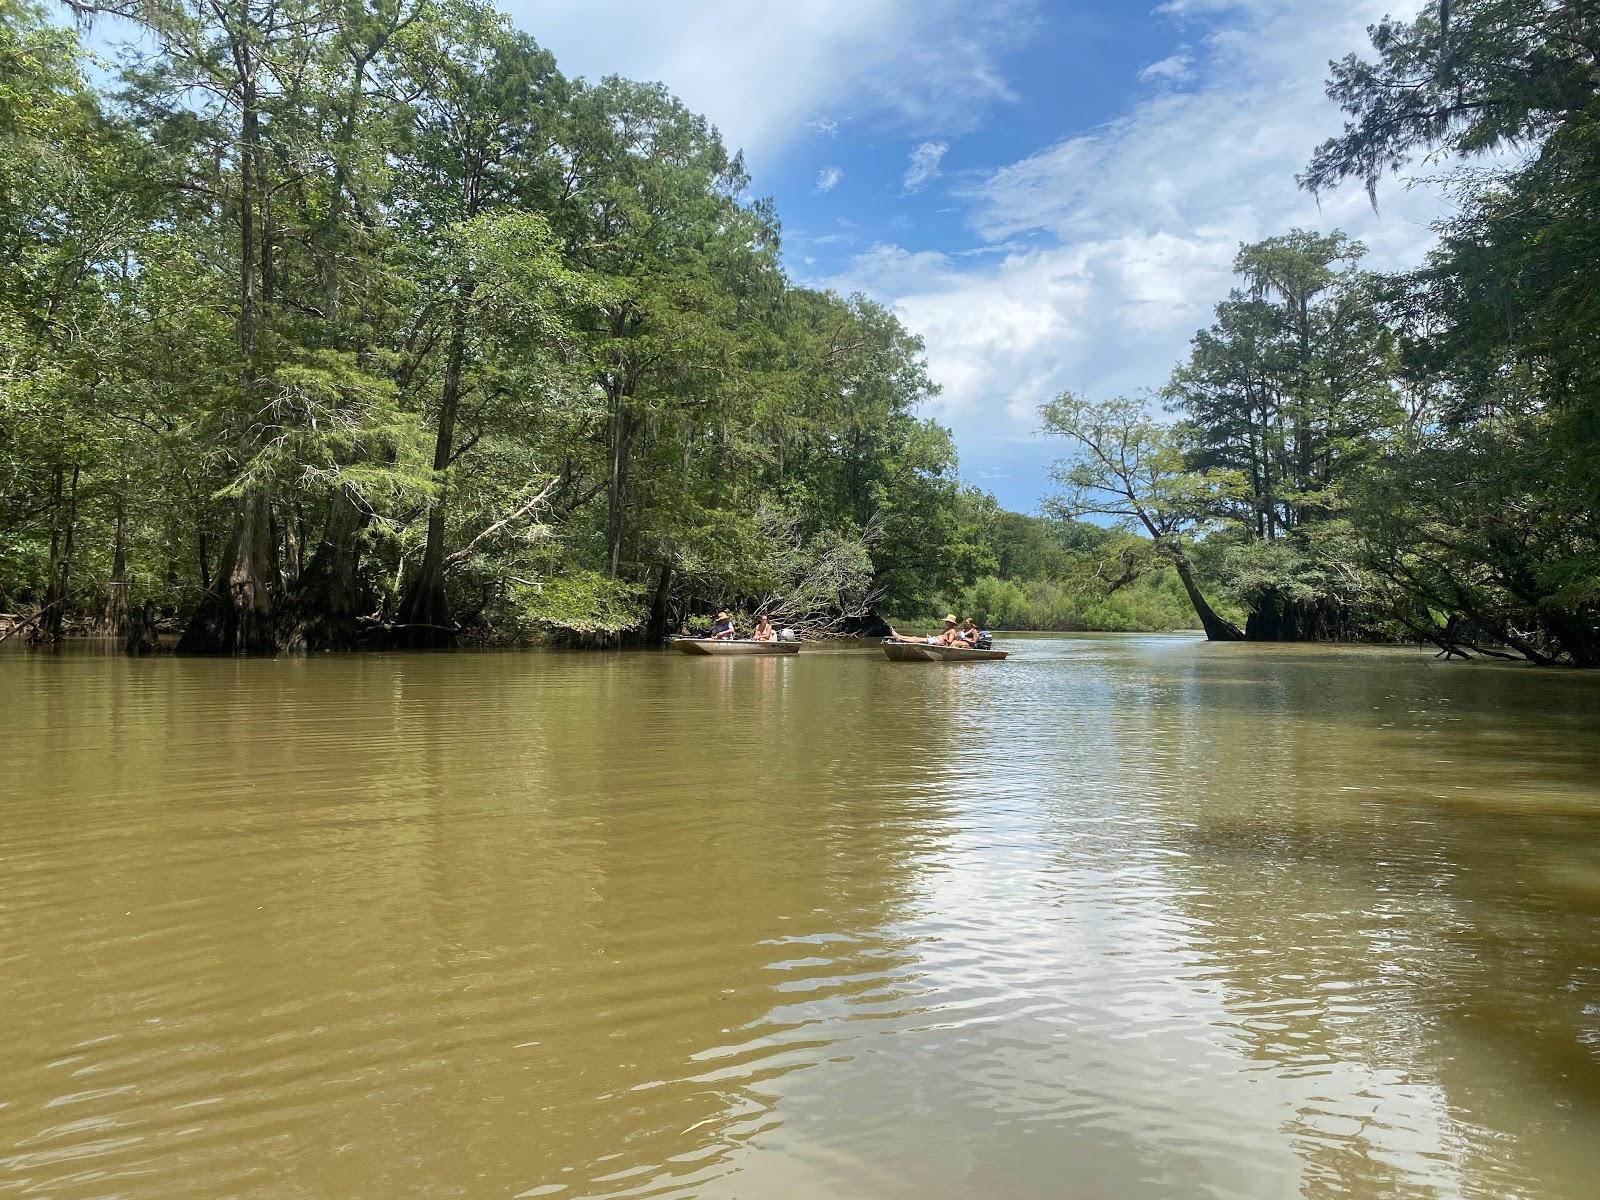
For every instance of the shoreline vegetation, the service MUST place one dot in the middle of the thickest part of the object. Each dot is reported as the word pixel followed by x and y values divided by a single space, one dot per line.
pixel 326 328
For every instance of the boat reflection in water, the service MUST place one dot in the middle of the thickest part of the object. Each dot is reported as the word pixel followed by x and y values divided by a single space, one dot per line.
pixel 720 646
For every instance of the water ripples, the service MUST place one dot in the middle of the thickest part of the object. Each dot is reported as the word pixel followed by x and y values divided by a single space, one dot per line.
pixel 1125 916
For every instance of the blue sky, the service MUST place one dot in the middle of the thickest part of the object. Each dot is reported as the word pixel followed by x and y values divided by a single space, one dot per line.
pixel 1049 193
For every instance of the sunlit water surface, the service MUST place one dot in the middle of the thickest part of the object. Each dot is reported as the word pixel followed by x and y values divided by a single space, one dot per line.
pixel 1121 917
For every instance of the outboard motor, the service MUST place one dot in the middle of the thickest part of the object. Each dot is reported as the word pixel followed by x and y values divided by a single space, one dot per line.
pixel 787 635
pixel 985 640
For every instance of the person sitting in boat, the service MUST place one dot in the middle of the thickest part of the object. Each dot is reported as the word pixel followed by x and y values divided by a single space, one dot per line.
pixel 970 633
pixel 764 631
pixel 722 628
pixel 949 637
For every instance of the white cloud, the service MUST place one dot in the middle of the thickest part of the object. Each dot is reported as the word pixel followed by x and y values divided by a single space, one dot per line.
pixel 925 160
pixel 1114 244
pixel 761 71
pixel 1189 9
pixel 1175 68
pixel 828 178
pixel 1092 259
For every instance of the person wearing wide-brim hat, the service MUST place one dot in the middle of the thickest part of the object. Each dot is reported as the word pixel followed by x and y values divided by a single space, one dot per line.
pixel 722 627
pixel 948 638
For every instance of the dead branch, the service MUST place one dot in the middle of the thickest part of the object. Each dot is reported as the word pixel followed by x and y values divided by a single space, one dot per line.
pixel 532 503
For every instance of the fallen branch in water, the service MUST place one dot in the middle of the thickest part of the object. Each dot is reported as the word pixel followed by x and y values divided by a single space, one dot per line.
pixel 31 621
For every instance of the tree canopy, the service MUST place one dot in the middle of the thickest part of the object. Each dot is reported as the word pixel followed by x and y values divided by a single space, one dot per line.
pixel 324 326
pixel 1415 455
pixel 327 326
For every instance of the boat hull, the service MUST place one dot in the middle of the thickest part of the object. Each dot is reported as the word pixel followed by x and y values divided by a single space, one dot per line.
pixel 731 647
pixel 921 652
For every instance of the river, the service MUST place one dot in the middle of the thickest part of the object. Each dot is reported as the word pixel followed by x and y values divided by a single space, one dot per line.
pixel 1125 917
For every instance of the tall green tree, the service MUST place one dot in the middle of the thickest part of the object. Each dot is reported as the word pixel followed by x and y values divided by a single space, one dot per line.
pixel 1293 388
pixel 70 206
pixel 1495 473
pixel 1129 466
pixel 482 135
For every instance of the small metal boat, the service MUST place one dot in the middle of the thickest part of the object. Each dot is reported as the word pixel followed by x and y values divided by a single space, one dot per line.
pixel 694 645
pixel 922 652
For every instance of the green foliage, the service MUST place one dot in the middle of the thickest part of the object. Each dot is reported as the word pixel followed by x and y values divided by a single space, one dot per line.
pixel 1416 455
pixel 1053 574
pixel 1292 390
pixel 1154 602
pixel 330 324
pixel 336 323
pixel 574 602
pixel 1130 466
pixel 1464 77
pixel 1290 387
pixel 1477 517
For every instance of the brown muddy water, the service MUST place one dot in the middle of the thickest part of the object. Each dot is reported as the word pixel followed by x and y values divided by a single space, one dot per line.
pixel 1124 917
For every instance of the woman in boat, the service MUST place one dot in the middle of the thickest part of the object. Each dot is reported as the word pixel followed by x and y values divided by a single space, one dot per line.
pixel 948 638
pixel 764 631
pixel 722 628
pixel 970 633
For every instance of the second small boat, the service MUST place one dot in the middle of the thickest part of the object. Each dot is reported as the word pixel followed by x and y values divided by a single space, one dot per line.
pixel 923 652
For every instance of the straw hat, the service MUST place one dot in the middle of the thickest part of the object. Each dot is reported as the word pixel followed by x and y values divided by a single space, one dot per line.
pixel 951 620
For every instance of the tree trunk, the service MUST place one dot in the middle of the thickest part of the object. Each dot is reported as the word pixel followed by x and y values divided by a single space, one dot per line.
pixel 237 611
pixel 114 620
pixel 202 553
pixel 425 618
pixel 52 574
pixel 1579 638
pixel 1217 629
pixel 425 615
pixel 236 614
pixel 1274 617
pixel 660 616
pixel 623 428
pixel 322 610
pixel 142 637
pixel 290 537
pixel 249 149
pixel 59 580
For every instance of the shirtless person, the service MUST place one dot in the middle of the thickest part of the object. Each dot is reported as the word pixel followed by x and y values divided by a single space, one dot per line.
pixel 948 638
pixel 764 632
